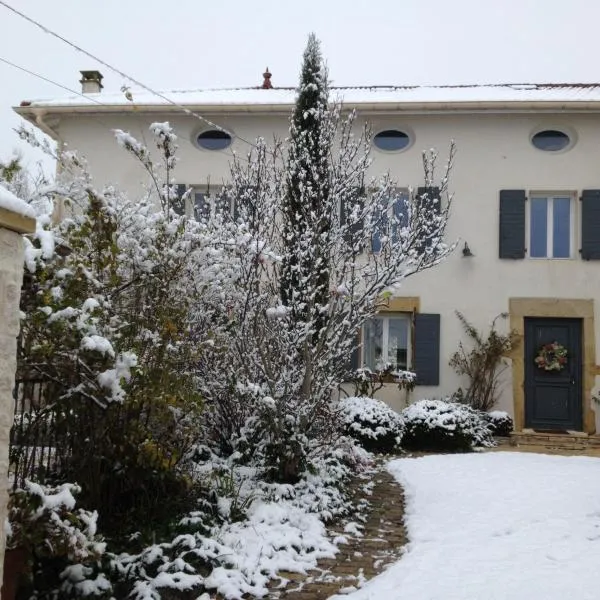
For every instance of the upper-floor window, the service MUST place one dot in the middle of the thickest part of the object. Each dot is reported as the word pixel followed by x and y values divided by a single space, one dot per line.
pixel 214 139
pixel 551 230
pixel 386 341
pixel 392 140
pixel 551 140
pixel 393 215
pixel 204 202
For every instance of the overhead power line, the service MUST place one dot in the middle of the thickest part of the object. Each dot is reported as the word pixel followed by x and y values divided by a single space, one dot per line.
pixel 72 91
pixel 189 112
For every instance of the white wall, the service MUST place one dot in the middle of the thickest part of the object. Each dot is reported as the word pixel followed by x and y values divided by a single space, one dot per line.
pixel 494 153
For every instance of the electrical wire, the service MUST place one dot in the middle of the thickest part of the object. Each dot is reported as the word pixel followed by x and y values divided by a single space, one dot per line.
pixel 72 91
pixel 189 112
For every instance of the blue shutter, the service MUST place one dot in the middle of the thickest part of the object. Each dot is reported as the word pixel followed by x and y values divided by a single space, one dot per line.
pixel 223 205
pixel 179 203
pixel 245 200
pixel 382 227
pixel 428 203
pixel 355 358
pixel 590 224
pixel 400 214
pixel 512 224
pixel 353 361
pixel 347 205
pixel 426 361
pixel 202 206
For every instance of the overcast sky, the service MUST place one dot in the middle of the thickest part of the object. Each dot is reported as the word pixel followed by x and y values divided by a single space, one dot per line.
pixel 187 44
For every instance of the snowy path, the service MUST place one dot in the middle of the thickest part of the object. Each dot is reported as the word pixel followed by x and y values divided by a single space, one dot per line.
pixel 496 526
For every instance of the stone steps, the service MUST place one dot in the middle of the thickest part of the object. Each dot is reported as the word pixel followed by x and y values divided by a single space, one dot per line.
pixel 561 441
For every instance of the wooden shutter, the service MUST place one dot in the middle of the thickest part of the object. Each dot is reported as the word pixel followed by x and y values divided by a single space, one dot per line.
pixel 590 225
pixel 428 206
pixel 202 205
pixel 245 200
pixel 429 198
pixel 347 205
pixel 384 224
pixel 512 224
pixel 355 358
pixel 426 361
pixel 353 361
pixel 179 203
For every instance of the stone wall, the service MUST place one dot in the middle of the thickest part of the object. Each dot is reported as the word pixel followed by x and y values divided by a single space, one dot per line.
pixel 11 276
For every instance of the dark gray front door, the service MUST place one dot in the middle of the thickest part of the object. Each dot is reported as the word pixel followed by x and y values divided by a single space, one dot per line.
pixel 553 399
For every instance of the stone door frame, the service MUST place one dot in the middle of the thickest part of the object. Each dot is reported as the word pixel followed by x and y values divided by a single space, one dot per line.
pixel 519 308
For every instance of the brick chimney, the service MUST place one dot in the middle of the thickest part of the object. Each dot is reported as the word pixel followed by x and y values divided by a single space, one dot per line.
pixel 91 82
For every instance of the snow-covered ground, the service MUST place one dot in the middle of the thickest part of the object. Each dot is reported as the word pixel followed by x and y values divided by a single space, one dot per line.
pixel 496 526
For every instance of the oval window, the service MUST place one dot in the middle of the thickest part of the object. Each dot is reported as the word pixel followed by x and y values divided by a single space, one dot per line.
pixel 391 140
pixel 214 139
pixel 551 140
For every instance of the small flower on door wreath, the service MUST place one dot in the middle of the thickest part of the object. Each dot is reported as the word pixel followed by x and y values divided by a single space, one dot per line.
pixel 551 357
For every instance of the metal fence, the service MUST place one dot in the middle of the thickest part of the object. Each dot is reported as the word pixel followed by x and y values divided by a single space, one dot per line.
pixel 36 451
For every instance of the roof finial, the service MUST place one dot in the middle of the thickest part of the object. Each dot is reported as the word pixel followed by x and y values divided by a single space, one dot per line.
pixel 267 85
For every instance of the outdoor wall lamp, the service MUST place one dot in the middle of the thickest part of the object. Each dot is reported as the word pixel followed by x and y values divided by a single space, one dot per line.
pixel 467 251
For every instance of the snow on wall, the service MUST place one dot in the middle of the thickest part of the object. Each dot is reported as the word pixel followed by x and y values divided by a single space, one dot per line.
pixel 10 202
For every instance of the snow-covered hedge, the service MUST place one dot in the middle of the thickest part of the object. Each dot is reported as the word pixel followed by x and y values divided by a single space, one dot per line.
pixel 439 425
pixel 500 422
pixel 372 423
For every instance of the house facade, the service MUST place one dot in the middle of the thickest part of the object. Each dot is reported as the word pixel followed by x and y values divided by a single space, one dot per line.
pixel 525 216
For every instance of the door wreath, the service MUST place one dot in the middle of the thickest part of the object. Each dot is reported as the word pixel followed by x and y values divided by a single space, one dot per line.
pixel 551 357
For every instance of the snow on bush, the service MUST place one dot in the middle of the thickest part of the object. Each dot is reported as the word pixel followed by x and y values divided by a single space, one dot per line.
pixel 499 422
pixel 45 519
pixel 258 531
pixel 372 423
pixel 439 425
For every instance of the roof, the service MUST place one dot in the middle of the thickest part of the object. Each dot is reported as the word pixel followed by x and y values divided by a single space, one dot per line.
pixel 505 92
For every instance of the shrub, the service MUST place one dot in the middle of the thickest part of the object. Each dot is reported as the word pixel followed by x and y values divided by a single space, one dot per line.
pixel 438 425
pixel 367 382
pixel 482 364
pixel 372 423
pixel 499 422
pixel 44 523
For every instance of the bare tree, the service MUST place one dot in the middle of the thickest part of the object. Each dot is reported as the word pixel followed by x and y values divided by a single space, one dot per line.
pixel 309 278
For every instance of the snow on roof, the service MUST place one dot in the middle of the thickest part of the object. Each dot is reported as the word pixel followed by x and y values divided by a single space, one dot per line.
pixel 9 201
pixel 451 94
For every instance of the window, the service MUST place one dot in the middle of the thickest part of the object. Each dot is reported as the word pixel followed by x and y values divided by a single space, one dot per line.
pixel 386 340
pixel 204 202
pixel 393 217
pixel 551 226
pixel 551 140
pixel 213 139
pixel 392 140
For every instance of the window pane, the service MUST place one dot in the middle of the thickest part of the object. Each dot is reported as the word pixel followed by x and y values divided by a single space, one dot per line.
pixel 381 228
pixel 551 140
pixel 201 206
pixel 223 205
pixel 400 216
pixel 561 228
pixel 397 351
pixel 391 140
pixel 373 343
pixel 214 139
pixel 538 227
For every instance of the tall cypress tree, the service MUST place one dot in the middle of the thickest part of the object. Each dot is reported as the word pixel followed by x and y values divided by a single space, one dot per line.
pixel 306 214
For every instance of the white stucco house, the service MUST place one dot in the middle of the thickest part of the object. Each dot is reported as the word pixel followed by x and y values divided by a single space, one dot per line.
pixel 526 211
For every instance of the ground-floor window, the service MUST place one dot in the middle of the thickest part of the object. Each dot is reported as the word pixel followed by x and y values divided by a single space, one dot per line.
pixel 386 341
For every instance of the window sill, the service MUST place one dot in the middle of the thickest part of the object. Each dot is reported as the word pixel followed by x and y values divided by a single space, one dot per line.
pixel 548 258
